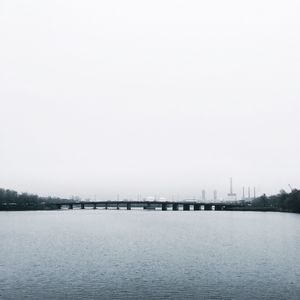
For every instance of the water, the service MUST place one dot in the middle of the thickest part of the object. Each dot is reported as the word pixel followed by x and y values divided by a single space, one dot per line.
pixel 149 255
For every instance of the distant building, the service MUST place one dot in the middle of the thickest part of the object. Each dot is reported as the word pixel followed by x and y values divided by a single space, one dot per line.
pixel 203 195
pixel 215 196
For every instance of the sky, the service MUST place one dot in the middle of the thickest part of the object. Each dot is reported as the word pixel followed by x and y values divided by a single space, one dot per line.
pixel 99 98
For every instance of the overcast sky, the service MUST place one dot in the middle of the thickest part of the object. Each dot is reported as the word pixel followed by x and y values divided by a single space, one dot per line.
pixel 152 97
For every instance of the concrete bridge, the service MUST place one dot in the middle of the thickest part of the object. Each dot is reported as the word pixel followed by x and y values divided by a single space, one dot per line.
pixel 149 205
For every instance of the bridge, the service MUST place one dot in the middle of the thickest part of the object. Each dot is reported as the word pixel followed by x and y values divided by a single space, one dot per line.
pixel 149 205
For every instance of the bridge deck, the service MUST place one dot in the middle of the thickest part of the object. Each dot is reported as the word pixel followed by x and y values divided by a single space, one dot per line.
pixel 164 205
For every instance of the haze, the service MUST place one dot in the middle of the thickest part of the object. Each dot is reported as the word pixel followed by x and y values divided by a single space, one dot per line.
pixel 158 98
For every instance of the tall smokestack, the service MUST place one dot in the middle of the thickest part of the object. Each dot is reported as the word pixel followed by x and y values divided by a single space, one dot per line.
pixel 249 194
pixel 243 193
pixel 231 194
pixel 254 192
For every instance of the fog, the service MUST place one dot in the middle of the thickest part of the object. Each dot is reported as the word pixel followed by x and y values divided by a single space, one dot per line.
pixel 100 98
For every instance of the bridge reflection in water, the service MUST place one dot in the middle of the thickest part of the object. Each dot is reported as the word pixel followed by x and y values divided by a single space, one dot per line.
pixel 149 205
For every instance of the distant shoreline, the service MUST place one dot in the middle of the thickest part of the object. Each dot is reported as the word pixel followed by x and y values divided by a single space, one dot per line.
pixel 283 202
pixel 231 210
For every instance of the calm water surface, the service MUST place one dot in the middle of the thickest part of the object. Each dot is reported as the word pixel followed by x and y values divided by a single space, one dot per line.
pixel 149 255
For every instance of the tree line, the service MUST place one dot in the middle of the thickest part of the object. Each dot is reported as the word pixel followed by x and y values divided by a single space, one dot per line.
pixel 12 200
pixel 281 202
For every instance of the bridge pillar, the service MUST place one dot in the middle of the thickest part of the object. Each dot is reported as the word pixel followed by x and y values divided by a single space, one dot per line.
pixel 128 206
pixel 197 206
pixel 218 207
pixel 106 205
pixel 71 206
pixel 186 207
pixel 175 206
pixel 164 206
pixel 118 207
pixel 82 205
pixel 207 207
pixel 94 206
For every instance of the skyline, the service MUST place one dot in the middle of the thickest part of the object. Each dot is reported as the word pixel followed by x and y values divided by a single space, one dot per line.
pixel 246 193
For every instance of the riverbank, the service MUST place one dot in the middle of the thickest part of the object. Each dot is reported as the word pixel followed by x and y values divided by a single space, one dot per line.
pixel 283 202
